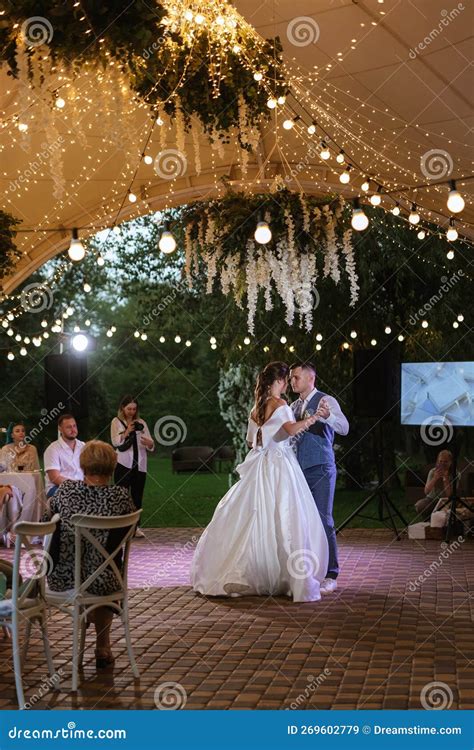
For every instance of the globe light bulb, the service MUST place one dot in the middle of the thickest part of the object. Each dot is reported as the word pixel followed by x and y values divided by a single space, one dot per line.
pixel 283 340
pixel 87 288
pixel 460 318
pixel 450 254
pixel 10 356
pixel 365 186
pixel 374 342
pixel 76 250
pixel 455 199
pixel 325 152
pixel 100 261
pixel 340 158
pixel 345 177
pixel 312 129
pixel 414 216
pixel 353 334
pixel 167 242
pixel 388 330
pixel 23 351
pixel 360 220
pixel 22 127
pixel 263 233
pixel 177 339
pixel 281 99
pixel 288 124
pixel 271 103
pixel 396 210
pixel 132 197
pixel 148 159
pixel 424 324
pixel 421 234
pixel 258 76
pixel 376 198
pixel 455 324
pixel 452 233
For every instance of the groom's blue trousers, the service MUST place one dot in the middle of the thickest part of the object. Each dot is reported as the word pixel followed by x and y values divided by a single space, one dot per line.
pixel 322 483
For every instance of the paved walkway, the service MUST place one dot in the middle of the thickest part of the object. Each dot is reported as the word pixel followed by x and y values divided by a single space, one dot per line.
pixel 378 642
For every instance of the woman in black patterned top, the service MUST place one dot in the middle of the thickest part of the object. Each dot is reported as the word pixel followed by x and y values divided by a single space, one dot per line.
pixel 93 496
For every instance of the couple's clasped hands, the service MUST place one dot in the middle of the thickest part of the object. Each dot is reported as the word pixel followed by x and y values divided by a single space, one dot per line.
pixel 322 412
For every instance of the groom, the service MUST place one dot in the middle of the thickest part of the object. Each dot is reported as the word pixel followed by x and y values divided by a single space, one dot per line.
pixel 316 455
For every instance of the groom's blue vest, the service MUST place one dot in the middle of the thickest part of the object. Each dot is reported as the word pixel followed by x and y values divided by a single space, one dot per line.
pixel 314 446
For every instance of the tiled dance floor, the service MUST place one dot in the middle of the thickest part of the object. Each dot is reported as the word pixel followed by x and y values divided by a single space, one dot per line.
pixel 397 634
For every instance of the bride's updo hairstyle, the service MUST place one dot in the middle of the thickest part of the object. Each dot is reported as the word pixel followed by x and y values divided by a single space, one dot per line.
pixel 273 371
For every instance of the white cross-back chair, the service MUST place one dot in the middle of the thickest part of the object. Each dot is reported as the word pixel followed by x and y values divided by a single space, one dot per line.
pixel 79 602
pixel 26 603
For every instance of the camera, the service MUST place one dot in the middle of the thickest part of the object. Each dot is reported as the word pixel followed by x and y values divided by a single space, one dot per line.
pixel 138 426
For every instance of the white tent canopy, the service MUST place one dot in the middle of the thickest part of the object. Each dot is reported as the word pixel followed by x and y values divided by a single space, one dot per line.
pixel 389 82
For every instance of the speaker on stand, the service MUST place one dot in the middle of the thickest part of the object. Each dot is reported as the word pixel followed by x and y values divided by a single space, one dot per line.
pixel 376 389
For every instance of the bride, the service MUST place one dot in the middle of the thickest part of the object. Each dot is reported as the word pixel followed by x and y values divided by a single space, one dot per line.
pixel 266 536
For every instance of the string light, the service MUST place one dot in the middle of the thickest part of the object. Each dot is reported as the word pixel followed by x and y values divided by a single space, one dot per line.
pixel 376 198
pixel 271 103
pixel 365 186
pixel 311 128
pixel 148 159
pixel 76 250
pixel 325 153
pixel 345 177
pixel 452 233
pixel 396 209
pixel 340 158
pixel 421 234
pixel 374 342
pixel 414 216
pixel 455 200
pixel 132 197
pixel 167 242
pixel 424 324
pixel 263 233
pixel 359 220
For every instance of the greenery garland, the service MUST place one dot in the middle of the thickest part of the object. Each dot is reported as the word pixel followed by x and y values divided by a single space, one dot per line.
pixel 9 253
pixel 212 75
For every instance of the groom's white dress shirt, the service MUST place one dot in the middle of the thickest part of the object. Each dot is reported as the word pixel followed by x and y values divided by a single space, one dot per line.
pixel 336 418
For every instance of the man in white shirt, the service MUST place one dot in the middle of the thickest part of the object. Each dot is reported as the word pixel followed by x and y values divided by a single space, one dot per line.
pixel 61 458
pixel 315 453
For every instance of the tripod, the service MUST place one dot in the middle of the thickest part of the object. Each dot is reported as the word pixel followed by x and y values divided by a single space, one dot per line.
pixel 387 511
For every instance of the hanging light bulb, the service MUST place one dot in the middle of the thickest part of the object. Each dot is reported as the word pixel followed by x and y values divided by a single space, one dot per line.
pixel 365 185
pixel 246 341
pixel 290 123
pixel 388 330
pixel 345 177
pixel 455 199
pixel 401 337
pixel 359 219
pixel 263 233
pixel 137 334
pixel 460 318
pixel 22 127
pixel 60 103
pixel 87 287
pixel 455 324
pixel 421 234
pixel 271 103
pixel 312 128
pixel 258 76
pixel 414 216
pixel 325 152
pixel 76 250
pixel 116 229
pixel 132 197
pixel 10 356
pixel 450 254
pixel 452 233
pixel 396 209
pixel 148 159
pixel 424 324
pixel 162 339
pixel 144 337
pixel 100 261
pixel 353 334
pixel 374 342
pixel 177 339
pixel 283 340
pixel 376 198
pixel 167 242
pixel 281 99
pixel 340 158
pixel 23 351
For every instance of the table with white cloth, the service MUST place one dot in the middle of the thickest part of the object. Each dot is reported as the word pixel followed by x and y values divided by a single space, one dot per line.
pixel 31 485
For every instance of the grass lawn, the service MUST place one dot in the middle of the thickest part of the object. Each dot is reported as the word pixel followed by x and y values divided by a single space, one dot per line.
pixel 189 499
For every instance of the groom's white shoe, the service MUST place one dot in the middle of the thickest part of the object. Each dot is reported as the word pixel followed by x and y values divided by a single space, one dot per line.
pixel 328 586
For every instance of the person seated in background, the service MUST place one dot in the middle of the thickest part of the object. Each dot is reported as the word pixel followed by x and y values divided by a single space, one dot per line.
pixel 10 511
pixel 93 496
pixel 6 582
pixel 18 454
pixel 438 484
pixel 62 457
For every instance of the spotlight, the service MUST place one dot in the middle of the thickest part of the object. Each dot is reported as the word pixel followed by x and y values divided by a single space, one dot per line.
pixel 80 342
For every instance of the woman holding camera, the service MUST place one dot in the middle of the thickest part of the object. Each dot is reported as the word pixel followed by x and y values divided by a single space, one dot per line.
pixel 131 438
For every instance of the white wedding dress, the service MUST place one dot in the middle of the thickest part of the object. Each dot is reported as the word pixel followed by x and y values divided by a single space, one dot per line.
pixel 266 536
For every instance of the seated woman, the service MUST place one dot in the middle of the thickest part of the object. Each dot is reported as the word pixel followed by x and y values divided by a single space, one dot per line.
pixel 10 511
pixel 438 484
pixel 17 454
pixel 93 496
